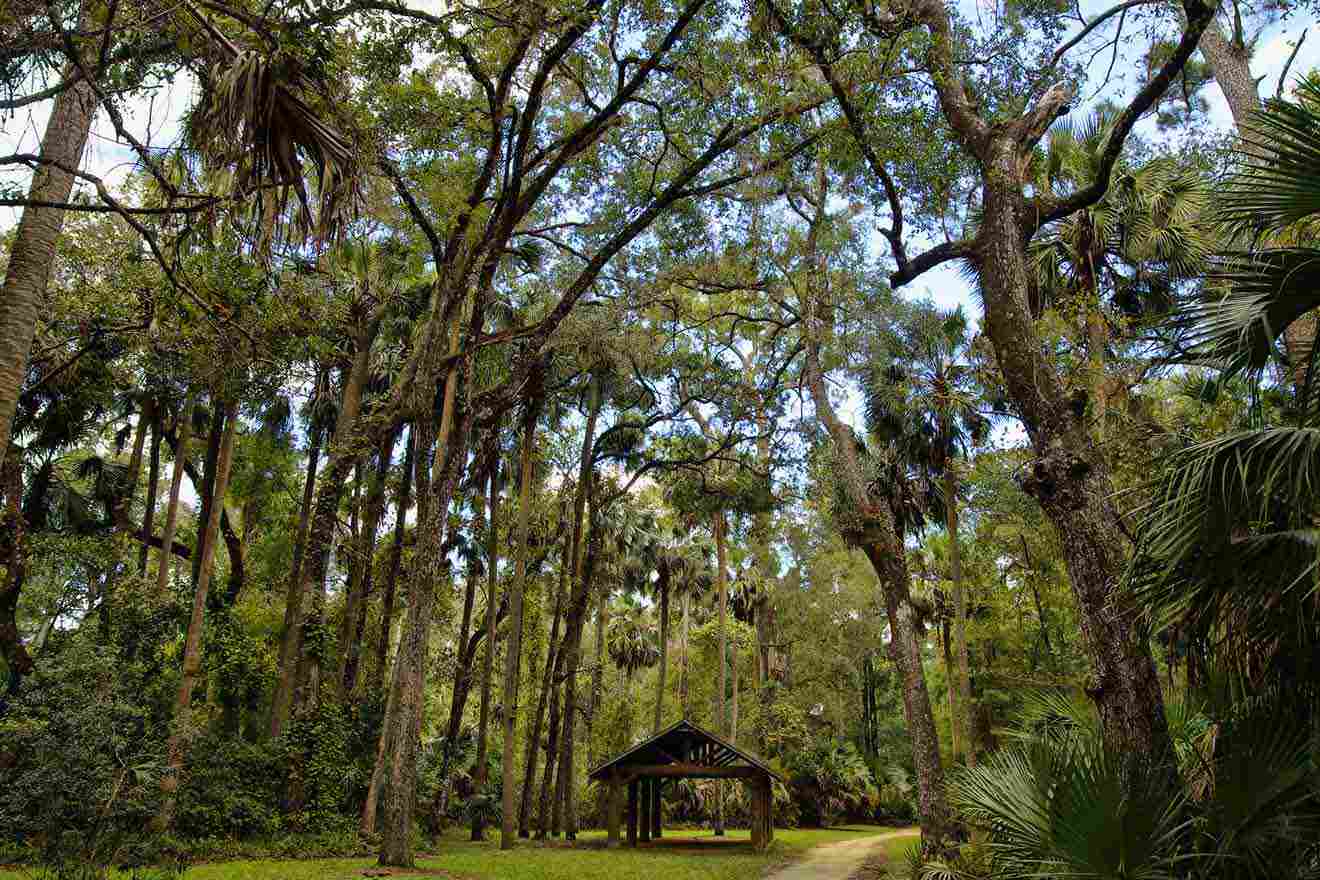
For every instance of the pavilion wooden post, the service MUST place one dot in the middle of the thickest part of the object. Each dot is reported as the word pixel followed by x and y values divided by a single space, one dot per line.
pixel 758 842
pixel 646 809
pixel 656 785
pixel 762 812
pixel 632 812
pixel 613 809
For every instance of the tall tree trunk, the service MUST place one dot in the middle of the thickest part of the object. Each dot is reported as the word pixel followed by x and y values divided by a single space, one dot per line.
pixel 663 588
pixel 458 696
pixel 951 689
pixel 1069 477
pixel 683 654
pixel 127 491
pixel 325 516
pixel 295 597
pixel 357 614
pixel 32 252
pixel 959 614
pixel 554 666
pixel 513 650
pixel 875 532
pixel 597 670
pixel 577 609
pixel 392 575
pixel 185 419
pixel 481 776
pixel 721 698
pixel 403 725
pixel 572 658
pixel 12 539
pixel 192 646
pixel 534 745
pixel 153 490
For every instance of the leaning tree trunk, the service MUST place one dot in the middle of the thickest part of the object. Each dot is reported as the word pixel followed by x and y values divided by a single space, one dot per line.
pixel 176 484
pixel 214 439
pixel 873 530
pixel 513 650
pixel 1069 477
pixel 192 646
pixel 32 251
pixel 481 776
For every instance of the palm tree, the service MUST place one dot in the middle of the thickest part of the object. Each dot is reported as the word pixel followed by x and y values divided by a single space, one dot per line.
pixel 671 554
pixel 922 408
pixel 1134 247
pixel 1228 538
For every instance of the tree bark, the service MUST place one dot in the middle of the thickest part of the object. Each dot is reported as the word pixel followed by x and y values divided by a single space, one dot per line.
pixel 663 588
pixel 721 699
pixel 534 745
pixel 597 670
pixel 32 254
pixel 355 609
pixel 206 491
pixel 192 647
pixel 153 489
pixel 392 577
pixel 481 774
pixel 875 532
pixel 17 659
pixel 959 614
pixel 176 483
pixel 577 609
pixel 553 675
pixel 403 724
pixel 1069 477
pixel 513 650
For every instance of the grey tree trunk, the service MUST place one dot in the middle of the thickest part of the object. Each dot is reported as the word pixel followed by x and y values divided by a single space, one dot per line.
pixel 192 646
pixel 721 698
pixel 1069 477
pixel 176 484
pixel 481 776
pixel 513 650
pixel 959 615
pixel 32 254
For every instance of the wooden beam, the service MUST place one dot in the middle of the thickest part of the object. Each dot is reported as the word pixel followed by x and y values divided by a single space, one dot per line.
pixel 691 771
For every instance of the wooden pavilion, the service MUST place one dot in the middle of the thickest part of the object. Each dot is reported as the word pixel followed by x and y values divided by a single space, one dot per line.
pixel 681 751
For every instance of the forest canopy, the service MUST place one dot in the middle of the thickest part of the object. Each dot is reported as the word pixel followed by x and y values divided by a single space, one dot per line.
pixel 405 407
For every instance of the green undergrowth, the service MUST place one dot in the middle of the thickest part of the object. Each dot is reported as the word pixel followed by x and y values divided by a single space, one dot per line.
pixel 455 857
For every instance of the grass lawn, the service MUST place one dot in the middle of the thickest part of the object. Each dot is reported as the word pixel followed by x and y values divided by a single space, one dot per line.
pixel 461 859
